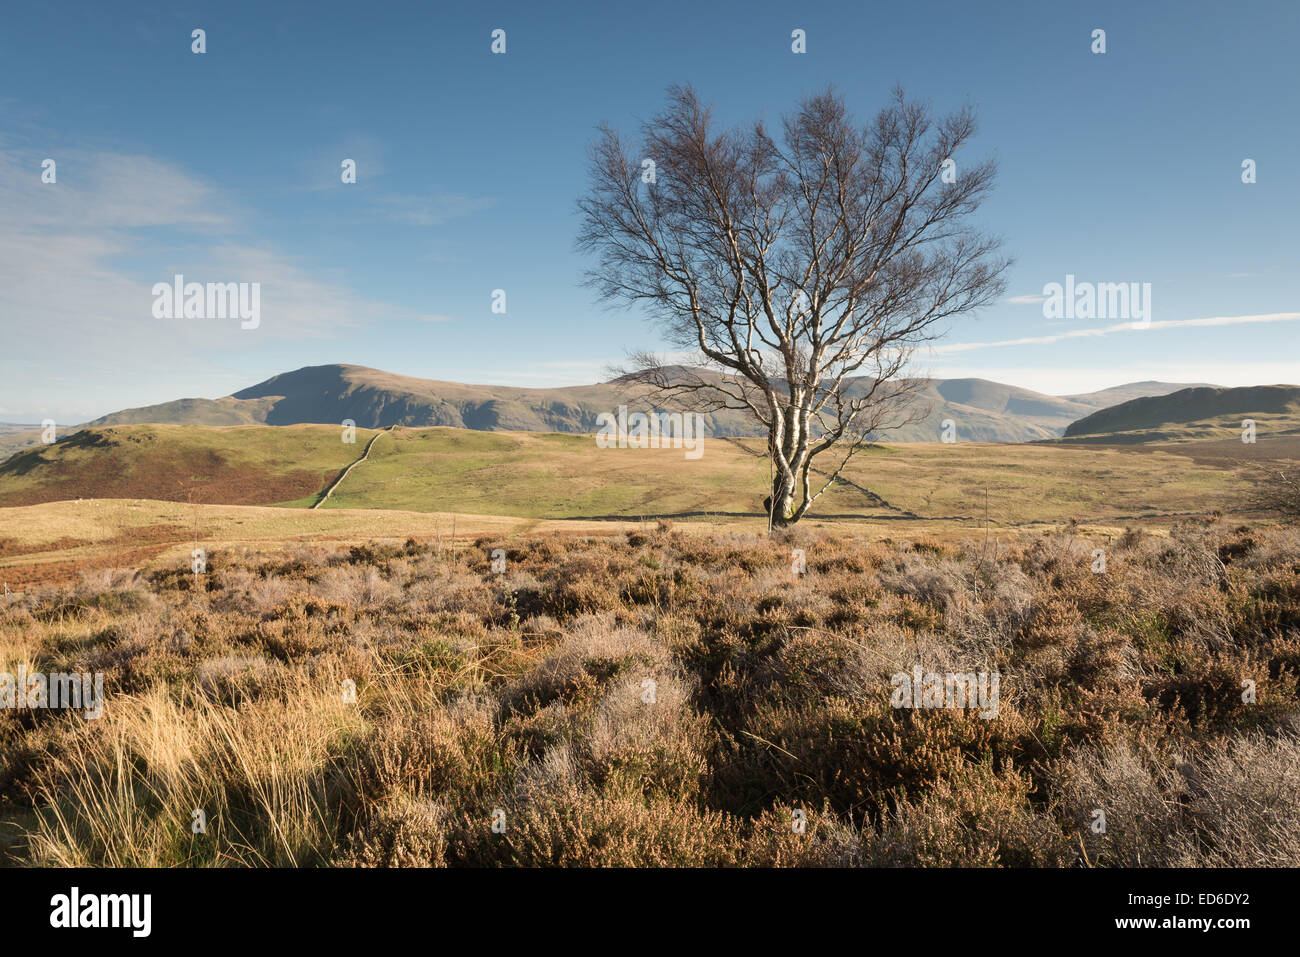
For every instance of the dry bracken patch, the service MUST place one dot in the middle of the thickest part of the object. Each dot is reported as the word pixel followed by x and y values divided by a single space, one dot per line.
pixel 665 699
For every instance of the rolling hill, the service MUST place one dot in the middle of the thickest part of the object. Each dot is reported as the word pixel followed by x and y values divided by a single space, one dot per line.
pixel 983 411
pixel 1198 413
pixel 250 465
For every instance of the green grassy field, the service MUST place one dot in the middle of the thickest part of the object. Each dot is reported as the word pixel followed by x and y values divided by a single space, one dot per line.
pixel 558 476
pixel 547 475
pixel 565 476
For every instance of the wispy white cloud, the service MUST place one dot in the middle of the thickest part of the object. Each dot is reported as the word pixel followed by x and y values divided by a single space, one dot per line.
pixel 79 258
pixel 433 210
pixel 321 169
pixel 1025 300
pixel 65 249
pixel 104 191
pixel 952 347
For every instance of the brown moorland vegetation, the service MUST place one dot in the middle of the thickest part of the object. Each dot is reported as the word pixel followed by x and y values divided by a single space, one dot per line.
pixel 527 692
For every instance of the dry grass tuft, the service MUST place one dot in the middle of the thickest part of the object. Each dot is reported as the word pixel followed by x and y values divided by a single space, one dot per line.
pixel 669 699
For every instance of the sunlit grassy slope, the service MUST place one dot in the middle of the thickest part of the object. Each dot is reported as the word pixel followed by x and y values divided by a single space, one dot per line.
pixel 548 475
pixel 566 476
pixel 559 476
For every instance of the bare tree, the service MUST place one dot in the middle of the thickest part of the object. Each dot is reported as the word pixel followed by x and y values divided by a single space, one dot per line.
pixel 803 274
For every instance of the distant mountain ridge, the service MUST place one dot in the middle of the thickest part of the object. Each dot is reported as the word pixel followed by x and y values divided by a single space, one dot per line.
pixel 982 411
pixel 1194 413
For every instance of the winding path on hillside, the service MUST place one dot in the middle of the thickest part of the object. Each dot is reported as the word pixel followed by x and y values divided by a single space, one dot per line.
pixel 364 455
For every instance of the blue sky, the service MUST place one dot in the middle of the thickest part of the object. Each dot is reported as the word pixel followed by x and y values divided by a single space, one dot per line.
pixel 1118 167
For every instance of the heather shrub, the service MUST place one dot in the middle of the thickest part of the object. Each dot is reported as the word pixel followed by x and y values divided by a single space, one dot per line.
pixel 669 698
